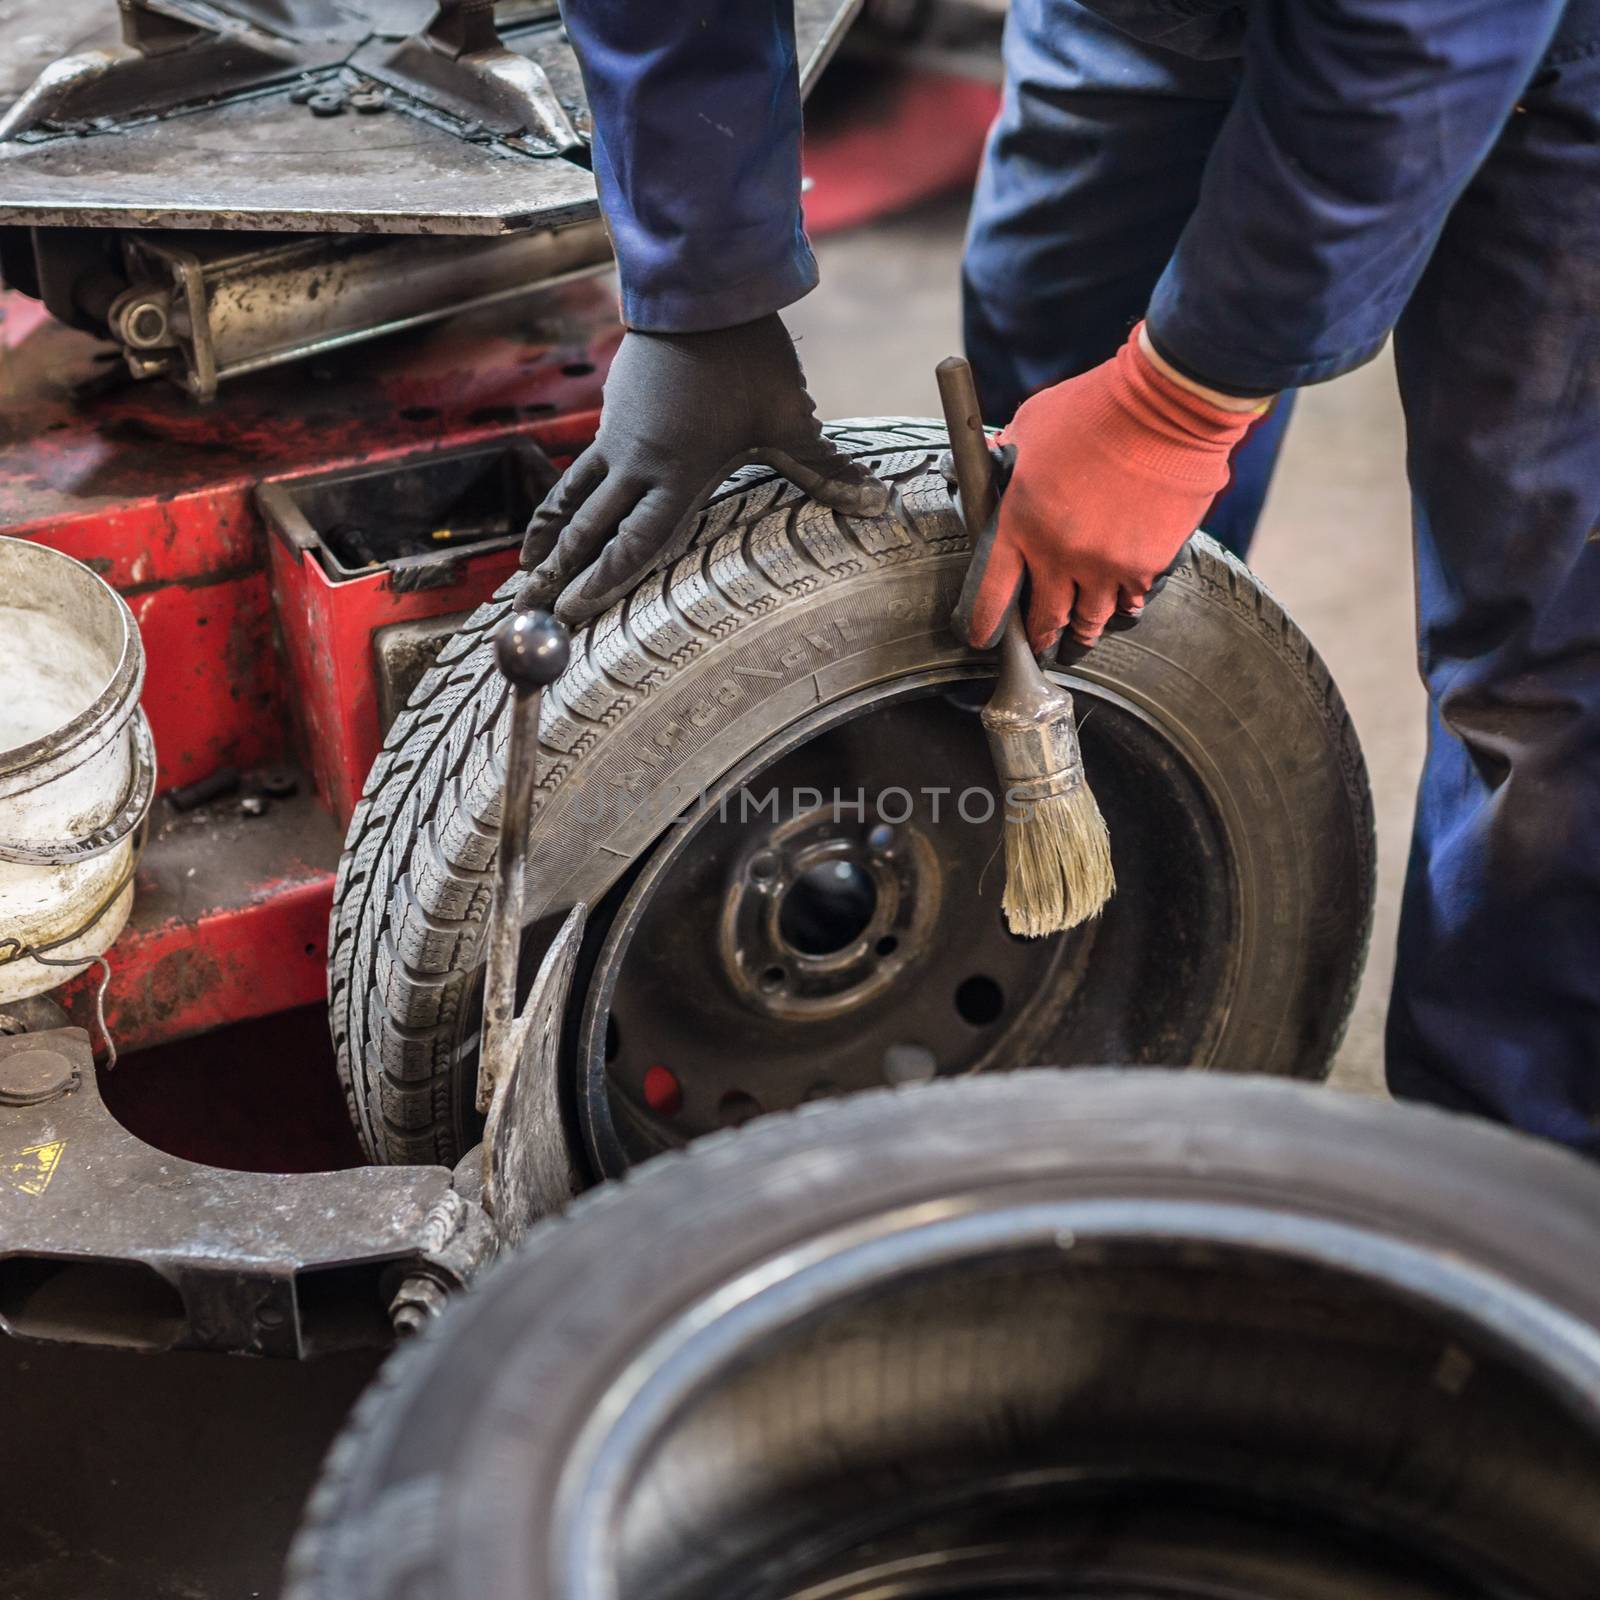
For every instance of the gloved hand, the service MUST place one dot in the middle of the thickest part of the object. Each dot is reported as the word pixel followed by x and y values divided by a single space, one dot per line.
pixel 682 411
pixel 1114 470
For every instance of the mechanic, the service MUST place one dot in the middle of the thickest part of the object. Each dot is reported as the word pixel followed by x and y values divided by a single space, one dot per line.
pixel 1188 207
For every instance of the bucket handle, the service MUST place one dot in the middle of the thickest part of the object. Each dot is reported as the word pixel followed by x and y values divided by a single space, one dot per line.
pixel 131 810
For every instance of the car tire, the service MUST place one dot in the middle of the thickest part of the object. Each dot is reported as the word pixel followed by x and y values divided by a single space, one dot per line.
pixel 1043 1334
pixel 783 610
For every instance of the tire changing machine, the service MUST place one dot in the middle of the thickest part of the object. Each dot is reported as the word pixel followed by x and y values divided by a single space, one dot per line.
pixel 269 364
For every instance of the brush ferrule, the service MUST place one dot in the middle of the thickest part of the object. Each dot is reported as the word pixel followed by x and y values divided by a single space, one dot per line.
pixel 1035 747
pixel 1026 791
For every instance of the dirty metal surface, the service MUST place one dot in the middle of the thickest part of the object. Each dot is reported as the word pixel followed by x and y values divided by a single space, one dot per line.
pixel 203 308
pixel 157 495
pixel 230 921
pixel 105 1240
pixel 213 139
pixel 33 33
pixel 206 128
pixel 529 1166
pixel 328 641
pixel 220 1098
pixel 265 163
pixel 139 476
pixel 208 285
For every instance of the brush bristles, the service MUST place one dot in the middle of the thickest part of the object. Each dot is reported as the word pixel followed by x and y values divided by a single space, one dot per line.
pixel 1058 864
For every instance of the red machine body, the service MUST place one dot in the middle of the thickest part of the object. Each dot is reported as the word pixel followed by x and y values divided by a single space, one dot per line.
pixel 257 656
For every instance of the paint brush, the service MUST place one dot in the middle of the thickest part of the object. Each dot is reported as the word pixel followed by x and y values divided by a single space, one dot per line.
pixel 1058 850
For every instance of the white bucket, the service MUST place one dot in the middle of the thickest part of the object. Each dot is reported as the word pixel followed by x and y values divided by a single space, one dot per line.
pixel 77 767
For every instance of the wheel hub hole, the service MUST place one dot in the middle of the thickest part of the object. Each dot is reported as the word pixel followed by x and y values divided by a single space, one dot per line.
pixel 827 908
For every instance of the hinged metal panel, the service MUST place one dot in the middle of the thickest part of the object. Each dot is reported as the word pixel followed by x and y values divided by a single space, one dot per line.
pixel 212 115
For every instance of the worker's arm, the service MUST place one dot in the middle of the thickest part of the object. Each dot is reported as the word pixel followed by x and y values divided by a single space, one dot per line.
pixel 697 154
pixel 1357 125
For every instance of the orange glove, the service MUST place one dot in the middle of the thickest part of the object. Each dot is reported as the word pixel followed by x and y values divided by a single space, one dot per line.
pixel 1114 470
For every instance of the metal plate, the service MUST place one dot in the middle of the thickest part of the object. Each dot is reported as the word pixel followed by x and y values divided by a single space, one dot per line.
pixel 528 1167
pixel 260 161
pixel 266 163
pixel 33 33
pixel 106 1240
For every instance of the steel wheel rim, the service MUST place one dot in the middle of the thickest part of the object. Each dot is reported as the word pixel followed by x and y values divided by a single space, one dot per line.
pixel 618 1122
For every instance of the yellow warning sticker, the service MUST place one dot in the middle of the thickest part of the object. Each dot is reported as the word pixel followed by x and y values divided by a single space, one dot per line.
pixel 31 1174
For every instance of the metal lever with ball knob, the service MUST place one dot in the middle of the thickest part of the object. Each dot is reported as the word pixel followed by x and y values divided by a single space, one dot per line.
pixel 531 649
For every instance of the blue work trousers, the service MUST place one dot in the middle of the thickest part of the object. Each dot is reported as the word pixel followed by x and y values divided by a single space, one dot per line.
pixel 1093 169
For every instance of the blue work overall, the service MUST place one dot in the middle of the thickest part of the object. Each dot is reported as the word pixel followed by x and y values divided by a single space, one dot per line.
pixel 1277 185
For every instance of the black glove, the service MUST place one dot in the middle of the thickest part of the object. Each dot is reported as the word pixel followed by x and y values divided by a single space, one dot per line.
pixel 682 411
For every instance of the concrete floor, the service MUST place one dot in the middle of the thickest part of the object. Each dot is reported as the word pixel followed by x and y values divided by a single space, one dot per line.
pixel 179 1478
pixel 1334 542
pixel 168 1477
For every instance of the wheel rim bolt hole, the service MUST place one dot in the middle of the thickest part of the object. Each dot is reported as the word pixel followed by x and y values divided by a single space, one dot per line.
pixel 979 1000
pixel 773 979
pixel 736 1108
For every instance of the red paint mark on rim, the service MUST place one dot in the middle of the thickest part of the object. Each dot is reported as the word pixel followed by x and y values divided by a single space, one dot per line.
pixel 662 1091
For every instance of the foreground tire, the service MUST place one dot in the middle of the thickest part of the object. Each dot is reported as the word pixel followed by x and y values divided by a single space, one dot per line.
pixel 811 651
pixel 1046 1335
